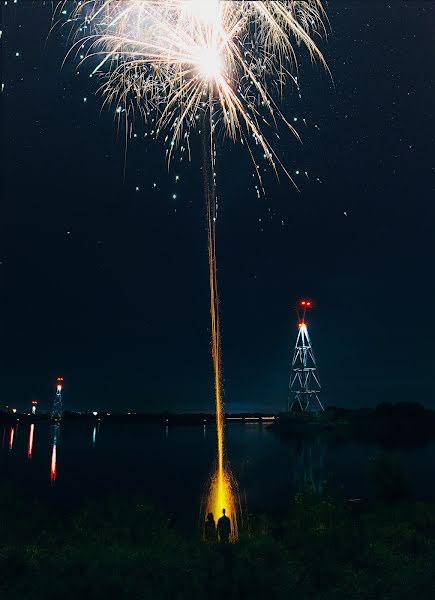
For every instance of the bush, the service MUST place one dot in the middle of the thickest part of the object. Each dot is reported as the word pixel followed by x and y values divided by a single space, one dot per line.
pixel 388 478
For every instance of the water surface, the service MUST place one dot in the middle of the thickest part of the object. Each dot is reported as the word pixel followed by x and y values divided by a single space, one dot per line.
pixel 170 465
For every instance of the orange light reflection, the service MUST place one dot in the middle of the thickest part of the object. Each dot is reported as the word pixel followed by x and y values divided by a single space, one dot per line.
pixel 30 444
pixel 11 438
pixel 53 465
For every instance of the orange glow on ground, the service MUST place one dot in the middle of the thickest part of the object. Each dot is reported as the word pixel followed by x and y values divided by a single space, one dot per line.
pixel 223 494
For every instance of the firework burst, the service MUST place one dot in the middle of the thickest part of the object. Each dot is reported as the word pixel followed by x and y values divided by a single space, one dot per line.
pixel 208 64
pixel 179 58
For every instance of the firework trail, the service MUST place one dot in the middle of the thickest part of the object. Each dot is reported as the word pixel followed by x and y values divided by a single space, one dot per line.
pixel 201 63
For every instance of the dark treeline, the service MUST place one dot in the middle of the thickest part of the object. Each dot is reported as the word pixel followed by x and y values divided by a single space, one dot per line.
pixel 132 417
pixel 391 424
pixel 322 548
pixel 405 418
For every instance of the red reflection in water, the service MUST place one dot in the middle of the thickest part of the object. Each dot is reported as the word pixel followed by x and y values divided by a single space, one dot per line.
pixel 30 444
pixel 53 464
pixel 11 438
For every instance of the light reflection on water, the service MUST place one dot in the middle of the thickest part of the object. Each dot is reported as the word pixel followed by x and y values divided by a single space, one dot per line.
pixel 30 443
pixel 53 462
pixel 11 437
pixel 110 458
pixel 309 460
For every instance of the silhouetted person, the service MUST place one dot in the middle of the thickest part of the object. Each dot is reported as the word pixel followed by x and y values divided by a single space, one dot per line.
pixel 210 528
pixel 224 528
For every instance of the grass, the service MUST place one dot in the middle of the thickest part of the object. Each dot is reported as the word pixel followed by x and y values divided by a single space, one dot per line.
pixel 323 549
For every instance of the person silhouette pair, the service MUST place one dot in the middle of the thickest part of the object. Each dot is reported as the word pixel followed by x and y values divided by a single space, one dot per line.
pixel 223 530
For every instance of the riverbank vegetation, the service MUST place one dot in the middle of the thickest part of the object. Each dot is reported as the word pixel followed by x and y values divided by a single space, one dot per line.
pixel 323 548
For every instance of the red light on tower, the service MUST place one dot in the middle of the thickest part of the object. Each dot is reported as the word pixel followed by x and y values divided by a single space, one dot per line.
pixel 305 303
pixel 304 385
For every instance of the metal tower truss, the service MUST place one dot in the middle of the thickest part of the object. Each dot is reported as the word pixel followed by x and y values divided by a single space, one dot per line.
pixel 304 385
pixel 56 413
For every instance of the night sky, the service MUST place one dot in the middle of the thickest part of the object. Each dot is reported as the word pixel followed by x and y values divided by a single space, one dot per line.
pixel 103 275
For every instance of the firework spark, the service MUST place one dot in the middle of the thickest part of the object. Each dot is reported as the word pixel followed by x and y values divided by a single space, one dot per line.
pixel 201 64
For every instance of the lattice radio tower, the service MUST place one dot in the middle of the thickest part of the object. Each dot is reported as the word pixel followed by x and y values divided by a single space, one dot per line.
pixel 304 385
pixel 56 413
